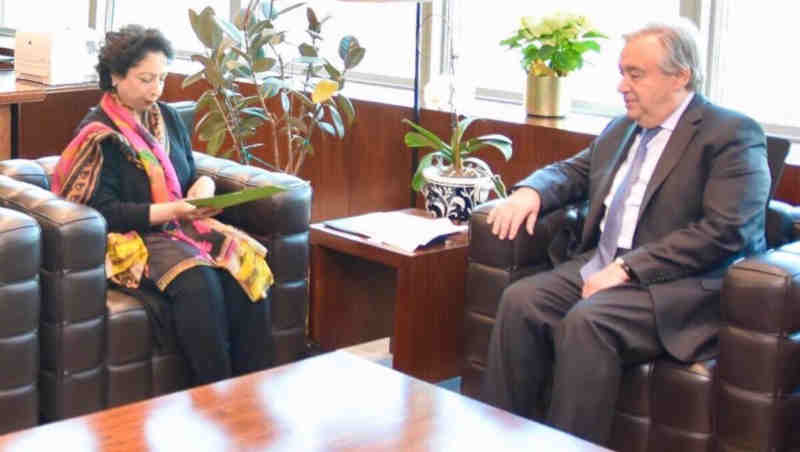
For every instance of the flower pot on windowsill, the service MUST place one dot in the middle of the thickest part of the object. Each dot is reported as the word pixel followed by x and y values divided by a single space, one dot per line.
pixel 547 96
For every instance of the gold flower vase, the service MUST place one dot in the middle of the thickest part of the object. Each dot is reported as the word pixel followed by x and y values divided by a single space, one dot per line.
pixel 547 96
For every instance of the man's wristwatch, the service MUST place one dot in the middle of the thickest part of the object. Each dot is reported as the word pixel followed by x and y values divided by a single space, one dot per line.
pixel 625 267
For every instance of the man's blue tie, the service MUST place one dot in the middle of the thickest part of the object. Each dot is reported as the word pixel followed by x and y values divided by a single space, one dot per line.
pixel 607 245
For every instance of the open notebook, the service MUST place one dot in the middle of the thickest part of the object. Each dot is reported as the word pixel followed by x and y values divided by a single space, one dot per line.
pixel 401 230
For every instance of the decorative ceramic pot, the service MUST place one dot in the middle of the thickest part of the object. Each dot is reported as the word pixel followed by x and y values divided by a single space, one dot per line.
pixel 547 96
pixel 455 197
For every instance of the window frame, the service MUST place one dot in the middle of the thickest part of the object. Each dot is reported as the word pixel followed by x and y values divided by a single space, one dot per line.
pixel 435 53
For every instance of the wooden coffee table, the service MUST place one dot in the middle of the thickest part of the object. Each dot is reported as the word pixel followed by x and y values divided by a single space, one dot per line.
pixel 334 401
pixel 362 290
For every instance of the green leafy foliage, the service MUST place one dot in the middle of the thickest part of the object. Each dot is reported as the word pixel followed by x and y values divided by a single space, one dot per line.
pixel 454 151
pixel 554 45
pixel 253 48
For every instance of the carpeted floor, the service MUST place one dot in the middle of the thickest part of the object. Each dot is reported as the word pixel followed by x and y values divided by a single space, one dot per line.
pixel 378 352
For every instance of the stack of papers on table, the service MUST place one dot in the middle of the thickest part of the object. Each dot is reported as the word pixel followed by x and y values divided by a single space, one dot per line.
pixel 398 229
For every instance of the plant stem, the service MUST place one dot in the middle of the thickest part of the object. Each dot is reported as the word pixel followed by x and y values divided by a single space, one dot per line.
pixel 225 117
pixel 267 113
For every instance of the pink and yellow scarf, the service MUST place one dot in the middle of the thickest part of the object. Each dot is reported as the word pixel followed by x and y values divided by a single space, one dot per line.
pixel 76 176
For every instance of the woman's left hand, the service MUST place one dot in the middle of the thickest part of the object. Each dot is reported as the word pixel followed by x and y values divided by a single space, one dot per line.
pixel 203 187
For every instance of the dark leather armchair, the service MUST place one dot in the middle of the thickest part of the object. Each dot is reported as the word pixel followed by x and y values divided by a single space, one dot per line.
pixel 20 254
pixel 98 349
pixel 748 399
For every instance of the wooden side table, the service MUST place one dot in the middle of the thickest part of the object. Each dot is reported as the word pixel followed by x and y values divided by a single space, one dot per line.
pixel 362 290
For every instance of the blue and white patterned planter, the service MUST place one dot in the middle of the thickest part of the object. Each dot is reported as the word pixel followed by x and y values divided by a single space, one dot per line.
pixel 454 197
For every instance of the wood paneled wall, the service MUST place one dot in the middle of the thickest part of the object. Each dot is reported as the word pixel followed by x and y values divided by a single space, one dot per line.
pixel 369 170
pixel 46 127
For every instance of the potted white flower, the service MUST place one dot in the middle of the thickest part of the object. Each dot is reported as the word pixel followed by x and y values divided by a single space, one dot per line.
pixel 552 47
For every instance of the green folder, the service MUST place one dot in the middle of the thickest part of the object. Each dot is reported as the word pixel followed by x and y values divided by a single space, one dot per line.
pixel 237 197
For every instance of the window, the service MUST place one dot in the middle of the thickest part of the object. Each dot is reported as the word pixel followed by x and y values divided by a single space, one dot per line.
pixel 169 16
pixel 385 30
pixel 27 15
pixel 750 66
pixel 496 70
pixel 754 66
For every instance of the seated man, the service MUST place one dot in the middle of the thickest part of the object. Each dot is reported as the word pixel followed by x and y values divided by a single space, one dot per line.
pixel 677 190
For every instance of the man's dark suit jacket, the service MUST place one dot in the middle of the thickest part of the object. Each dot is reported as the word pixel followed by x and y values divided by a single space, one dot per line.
pixel 703 208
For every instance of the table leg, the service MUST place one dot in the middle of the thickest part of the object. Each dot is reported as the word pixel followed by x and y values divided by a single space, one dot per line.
pixel 429 315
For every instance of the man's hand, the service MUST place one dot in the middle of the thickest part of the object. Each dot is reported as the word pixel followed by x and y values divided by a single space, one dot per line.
pixel 610 276
pixel 507 216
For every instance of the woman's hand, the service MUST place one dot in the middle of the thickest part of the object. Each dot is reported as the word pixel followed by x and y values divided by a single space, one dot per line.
pixel 187 211
pixel 203 187
pixel 179 210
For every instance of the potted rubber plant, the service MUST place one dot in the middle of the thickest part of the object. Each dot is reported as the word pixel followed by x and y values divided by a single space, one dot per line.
pixel 254 49
pixel 452 180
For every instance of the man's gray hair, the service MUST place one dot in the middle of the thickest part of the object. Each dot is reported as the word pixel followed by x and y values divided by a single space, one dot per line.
pixel 679 39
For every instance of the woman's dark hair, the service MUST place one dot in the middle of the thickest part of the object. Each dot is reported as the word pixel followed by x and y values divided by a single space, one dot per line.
pixel 125 48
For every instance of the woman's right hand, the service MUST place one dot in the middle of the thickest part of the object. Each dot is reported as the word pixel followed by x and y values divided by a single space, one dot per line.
pixel 179 210
pixel 187 211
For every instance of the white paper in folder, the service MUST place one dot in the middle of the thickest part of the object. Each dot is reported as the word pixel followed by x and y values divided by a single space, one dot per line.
pixel 56 57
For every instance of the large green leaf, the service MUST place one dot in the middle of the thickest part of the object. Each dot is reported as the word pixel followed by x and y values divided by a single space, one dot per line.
pixel 214 142
pixel 255 111
pixel 271 86
pixel 346 106
pixel 326 127
pixel 263 64
pixel 209 125
pixel 350 51
pixel 192 79
pixel 203 26
pixel 458 133
pixel 313 23
pixel 258 27
pixel 431 139
pixel 298 124
pixel 333 73
pixel 206 102
pixel 418 181
pixel 307 50
pixel 336 118
pixel 241 53
pixel 594 34
pixel 499 142
pixel 229 29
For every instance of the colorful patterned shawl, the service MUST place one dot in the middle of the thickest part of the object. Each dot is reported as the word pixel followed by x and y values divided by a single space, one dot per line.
pixel 76 176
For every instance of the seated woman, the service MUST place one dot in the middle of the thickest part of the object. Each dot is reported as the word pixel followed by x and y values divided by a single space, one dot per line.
pixel 132 161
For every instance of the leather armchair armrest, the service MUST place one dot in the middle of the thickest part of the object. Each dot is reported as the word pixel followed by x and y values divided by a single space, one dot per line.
pixel 782 223
pixel 281 223
pixel 283 213
pixel 561 226
pixel 73 315
pixel 758 369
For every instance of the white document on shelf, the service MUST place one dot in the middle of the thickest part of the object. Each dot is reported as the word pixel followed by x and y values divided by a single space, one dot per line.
pixel 402 230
